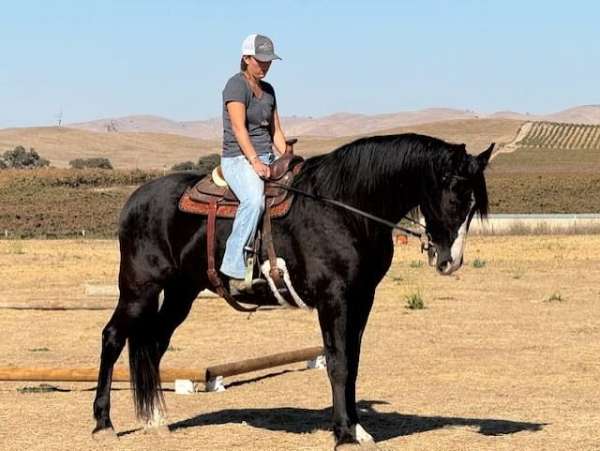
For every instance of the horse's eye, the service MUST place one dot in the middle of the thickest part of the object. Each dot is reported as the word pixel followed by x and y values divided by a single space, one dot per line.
pixel 460 186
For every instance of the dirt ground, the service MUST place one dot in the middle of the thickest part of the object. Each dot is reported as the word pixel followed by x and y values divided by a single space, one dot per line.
pixel 504 356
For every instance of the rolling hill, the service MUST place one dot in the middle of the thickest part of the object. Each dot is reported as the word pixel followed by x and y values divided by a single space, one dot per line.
pixel 335 125
pixel 159 150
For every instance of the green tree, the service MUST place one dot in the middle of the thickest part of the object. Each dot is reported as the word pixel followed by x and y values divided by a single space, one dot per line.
pixel 205 164
pixel 91 163
pixel 185 166
pixel 19 158
pixel 209 162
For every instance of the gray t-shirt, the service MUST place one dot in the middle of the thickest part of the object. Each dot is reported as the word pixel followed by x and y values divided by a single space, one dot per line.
pixel 259 115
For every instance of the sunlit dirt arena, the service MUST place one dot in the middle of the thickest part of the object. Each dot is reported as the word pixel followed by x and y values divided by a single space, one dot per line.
pixel 502 356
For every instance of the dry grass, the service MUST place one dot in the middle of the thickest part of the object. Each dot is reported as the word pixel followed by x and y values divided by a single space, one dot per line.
pixel 490 364
pixel 40 271
pixel 124 150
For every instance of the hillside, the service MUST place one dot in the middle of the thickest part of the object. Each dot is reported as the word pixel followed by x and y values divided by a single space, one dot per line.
pixel 552 147
pixel 155 151
pixel 209 129
pixel 125 150
pixel 552 135
pixel 331 126
pixel 334 125
pixel 585 114
pixel 538 168
pixel 549 168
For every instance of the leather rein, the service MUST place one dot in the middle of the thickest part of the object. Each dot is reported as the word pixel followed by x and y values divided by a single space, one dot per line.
pixel 424 237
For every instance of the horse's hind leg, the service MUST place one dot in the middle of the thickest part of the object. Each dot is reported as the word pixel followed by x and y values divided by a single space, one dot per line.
pixel 178 300
pixel 113 341
pixel 133 309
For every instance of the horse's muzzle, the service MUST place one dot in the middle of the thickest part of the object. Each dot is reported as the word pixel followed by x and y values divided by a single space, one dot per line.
pixel 445 264
pixel 445 267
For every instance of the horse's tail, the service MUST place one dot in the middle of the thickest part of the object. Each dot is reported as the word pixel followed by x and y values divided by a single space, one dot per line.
pixel 144 370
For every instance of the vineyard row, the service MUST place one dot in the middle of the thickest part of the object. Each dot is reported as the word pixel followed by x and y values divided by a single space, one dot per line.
pixel 554 135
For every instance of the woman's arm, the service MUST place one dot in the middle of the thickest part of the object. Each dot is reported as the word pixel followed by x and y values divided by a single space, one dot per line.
pixel 278 136
pixel 237 115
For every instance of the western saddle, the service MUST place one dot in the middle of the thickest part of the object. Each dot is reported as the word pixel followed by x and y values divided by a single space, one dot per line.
pixel 212 197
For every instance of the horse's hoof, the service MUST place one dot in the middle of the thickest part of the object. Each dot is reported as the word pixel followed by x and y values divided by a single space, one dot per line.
pixel 355 438
pixel 105 435
pixel 360 435
pixel 157 424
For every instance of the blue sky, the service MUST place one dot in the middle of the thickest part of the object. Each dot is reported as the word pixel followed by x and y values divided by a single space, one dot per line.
pixel 109 58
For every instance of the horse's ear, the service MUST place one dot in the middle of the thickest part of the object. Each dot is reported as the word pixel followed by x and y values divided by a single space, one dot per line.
pixel 484 157
pixel 478 164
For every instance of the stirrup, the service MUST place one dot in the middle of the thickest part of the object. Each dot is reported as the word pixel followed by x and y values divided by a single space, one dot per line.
pixel 252 251
pixel 249 270
pixel 243 287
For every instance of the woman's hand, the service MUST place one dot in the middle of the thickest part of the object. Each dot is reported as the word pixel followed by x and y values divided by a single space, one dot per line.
pixel 261 169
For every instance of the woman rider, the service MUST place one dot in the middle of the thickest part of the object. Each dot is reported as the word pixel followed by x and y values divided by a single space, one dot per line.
pixel 251 131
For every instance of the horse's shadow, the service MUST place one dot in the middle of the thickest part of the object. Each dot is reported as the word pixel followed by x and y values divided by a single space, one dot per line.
pixel 382 426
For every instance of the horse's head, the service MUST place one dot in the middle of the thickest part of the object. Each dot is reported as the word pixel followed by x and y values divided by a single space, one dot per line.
pixel 457 193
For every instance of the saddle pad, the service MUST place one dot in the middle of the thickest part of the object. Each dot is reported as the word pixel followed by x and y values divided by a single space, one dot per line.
pixel 227 210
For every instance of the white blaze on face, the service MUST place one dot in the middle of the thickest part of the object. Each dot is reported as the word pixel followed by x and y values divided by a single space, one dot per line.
pixel 458 246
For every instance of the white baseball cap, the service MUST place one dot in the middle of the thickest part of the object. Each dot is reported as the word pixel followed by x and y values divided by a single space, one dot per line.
pixel 260 47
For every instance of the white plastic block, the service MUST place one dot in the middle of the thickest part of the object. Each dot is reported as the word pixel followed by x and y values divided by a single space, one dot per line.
pixel 317 363
pixel 215 384
pixel 184 387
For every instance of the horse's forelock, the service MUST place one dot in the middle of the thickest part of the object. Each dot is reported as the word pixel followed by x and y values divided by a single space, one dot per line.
pixel 456 161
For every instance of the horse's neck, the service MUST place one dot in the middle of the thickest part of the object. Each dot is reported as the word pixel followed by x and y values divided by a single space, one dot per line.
pixel 387 195
pixel 397 200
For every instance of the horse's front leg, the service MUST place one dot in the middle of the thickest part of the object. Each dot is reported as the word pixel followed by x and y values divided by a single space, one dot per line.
pixel 342 321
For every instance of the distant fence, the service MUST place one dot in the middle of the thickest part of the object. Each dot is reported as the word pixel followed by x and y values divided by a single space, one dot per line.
pixel 524 224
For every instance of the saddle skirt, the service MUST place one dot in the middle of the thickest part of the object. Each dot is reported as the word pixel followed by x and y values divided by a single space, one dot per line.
pixel 213 189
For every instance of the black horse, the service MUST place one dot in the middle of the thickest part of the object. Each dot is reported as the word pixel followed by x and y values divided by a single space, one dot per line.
pixel 335 258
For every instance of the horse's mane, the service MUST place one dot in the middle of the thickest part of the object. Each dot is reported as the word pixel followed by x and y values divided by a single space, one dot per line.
pixel 358 169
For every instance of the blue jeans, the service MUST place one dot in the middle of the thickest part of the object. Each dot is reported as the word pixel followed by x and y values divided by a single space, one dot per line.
pixel 250 190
